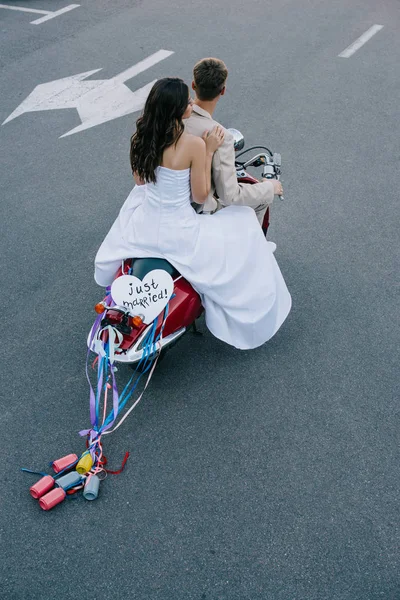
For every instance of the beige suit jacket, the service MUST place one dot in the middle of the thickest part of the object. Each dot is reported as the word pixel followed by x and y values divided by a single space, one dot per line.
pixel 224 180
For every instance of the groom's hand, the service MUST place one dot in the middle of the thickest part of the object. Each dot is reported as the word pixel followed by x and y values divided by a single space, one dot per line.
pixel 278 189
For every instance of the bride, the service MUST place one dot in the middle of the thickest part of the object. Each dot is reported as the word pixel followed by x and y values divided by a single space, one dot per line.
pixel 224 256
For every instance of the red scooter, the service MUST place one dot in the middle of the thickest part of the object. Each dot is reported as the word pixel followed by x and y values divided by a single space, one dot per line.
pixel 185 306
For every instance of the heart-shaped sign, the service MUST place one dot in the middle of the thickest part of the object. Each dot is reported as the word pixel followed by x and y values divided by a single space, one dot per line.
pixel 146 298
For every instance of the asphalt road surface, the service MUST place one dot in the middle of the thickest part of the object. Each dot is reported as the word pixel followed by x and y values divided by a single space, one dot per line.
pixel 263 475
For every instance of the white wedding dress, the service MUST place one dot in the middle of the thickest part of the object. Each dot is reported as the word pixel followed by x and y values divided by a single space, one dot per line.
pixel 224 256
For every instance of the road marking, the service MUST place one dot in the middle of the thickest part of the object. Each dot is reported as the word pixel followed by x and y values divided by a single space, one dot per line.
pixel 97 101
pixel 52 15
pixel 48 14
pixel 350 50
pixel 30 10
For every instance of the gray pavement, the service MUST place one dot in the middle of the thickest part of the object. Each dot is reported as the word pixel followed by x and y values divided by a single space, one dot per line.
pixel 271 474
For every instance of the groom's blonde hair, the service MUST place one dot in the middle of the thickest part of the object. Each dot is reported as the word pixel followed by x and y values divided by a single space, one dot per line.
pixel 209 76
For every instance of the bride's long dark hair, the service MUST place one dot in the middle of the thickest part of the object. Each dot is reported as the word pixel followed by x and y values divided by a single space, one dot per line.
pixel 159 127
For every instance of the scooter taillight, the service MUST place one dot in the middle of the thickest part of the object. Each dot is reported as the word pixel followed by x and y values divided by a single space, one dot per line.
pixel 117 317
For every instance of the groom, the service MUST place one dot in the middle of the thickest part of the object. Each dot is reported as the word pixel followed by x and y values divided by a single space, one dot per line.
pixel 209 85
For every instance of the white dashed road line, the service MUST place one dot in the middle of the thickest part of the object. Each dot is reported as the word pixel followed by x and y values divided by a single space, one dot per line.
pixel 350 50
pixel 47 13
pixel 52 15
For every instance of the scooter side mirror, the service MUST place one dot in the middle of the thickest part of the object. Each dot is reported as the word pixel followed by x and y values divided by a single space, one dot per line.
pixel 277 159
pixel 238 139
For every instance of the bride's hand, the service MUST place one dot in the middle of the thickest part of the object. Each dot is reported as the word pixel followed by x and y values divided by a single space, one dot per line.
pixel 214 138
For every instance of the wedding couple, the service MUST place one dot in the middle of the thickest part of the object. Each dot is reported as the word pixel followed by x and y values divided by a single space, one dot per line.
pixel 179 155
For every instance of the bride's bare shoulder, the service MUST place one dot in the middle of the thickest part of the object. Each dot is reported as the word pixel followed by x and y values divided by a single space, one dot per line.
pixel 192 142
pixel 188 138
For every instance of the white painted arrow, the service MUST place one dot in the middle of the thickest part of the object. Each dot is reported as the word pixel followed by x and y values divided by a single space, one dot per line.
pixel 97 101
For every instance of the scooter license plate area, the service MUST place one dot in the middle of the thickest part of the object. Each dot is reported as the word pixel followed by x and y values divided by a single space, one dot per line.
pixel 122 323
pixel 183 309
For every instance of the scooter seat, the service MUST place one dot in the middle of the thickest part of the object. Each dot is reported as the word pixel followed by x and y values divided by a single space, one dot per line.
pixel 142 266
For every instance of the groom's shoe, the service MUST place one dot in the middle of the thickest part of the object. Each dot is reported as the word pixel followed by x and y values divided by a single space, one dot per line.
pixel 272 245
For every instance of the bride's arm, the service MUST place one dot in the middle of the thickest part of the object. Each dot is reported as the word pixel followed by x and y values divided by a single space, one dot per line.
pixel 200 171
pixel 201 159
pixel 209 157
pixel 213 140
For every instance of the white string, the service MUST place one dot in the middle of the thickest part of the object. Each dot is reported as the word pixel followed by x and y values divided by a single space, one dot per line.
pixel 114 335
